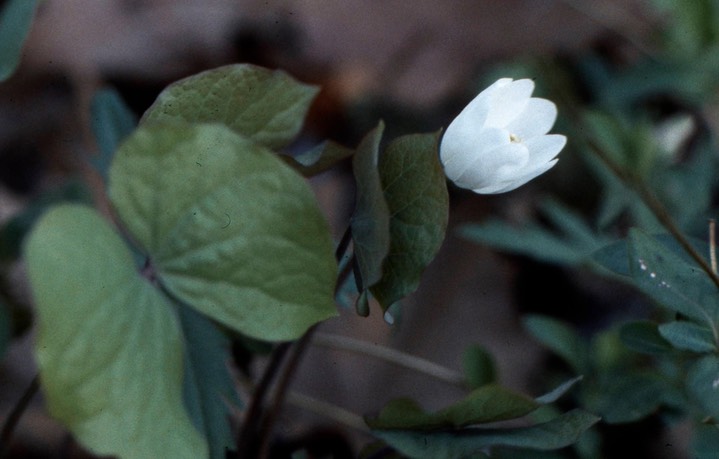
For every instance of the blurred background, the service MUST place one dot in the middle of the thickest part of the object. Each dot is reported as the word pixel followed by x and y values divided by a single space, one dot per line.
pixel 414 64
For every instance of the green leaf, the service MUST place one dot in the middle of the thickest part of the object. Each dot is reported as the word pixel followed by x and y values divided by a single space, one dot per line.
pixel 112 122
pixel 489 403
pixel 266 106
pixel 689 336
pixel 208 387
pixel 229 228
pixel 479 366
pixel 15 21
pixel 703 384
pixel 643 336
pixel 318 159
pixel 415 188
pixel 555 434
pixel 706 441
pixel 629 397
pixel 559 391
pixel 109 346
pixel 559 337
pixel 670 281
pixel 370 221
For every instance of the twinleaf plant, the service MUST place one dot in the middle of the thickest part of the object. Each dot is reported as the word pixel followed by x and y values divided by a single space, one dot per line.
pixel 214 234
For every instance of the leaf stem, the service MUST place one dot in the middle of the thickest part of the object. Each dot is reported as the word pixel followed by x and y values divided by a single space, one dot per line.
pixel 14 417
pixel 392 356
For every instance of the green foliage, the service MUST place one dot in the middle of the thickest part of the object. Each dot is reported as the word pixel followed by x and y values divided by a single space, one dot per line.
pixel 370 221
pixel 689 336
pixel 15 21
pixel 5 327
pixel 560 338
pixel 415 190
pixel 229 228
pixel 112 122
pixel 265 106
pixel 644 336
pixel 318 159
pixel 479 367
pixel 208 387
pixel 109 345
pixel 554 434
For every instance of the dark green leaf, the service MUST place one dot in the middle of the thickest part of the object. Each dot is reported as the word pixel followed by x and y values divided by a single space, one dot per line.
pixel 109 345
pixel 229 228
pixel 557 393
pixel 416 192
pixel 703 384
pixel 318 159
pixel 370 221
pixel 489 403
pixel 555 434
pixel 670 281
pixel 689 336
pixel 560 338
pixel 15 21
pixel 209 390
pixel 266 106
pixel 644 337
pixel 706 441
pixel 112 121
pixel 479 367
pixel 628 397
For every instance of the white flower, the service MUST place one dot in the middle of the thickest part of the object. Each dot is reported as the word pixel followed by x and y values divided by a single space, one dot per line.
pixel 499 141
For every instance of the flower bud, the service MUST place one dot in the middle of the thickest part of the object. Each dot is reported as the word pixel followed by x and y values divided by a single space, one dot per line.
pixel 499 141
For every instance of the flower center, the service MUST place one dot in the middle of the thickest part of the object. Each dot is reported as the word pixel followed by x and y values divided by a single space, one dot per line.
pixel 514 139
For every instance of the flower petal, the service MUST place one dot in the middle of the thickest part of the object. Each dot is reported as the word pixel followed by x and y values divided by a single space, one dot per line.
pixel 459 149
pixel 544 148
pixel 494 166
pixel 508 102
pixel 537 118
pixel 475 113
pixel 510 185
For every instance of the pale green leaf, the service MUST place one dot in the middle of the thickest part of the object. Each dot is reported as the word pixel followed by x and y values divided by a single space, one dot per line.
pixel 266 106
pixel 109 346
pixel 15 21
pixel 229 228
pixel 415 188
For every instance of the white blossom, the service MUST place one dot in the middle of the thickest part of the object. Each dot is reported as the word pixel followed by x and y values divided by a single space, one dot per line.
pixel 499 141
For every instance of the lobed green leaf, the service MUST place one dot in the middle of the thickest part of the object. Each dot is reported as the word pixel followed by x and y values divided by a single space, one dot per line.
pixel 228 227
pixel 266 106
pixel 109 346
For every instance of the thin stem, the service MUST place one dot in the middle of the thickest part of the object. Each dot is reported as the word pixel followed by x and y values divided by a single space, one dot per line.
pixel 327 410
pixel 14 417
pixel 246 441
pixel 283 383
pixel 390 355
pixel 658 210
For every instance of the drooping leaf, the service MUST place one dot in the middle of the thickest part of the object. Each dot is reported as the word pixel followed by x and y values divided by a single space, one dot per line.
pixel 703 384
pixel 689 336
pixel 209 390
pixel 671 281
pixel 643 336
pixel 266 106
pixel 370 221
pixel 415 188
pixel 489 403
pixel 15 21
pixel 112 121
pixel 109 345
pixel 560 338
pixel 318 159
pixel 229 228
pixel 450 444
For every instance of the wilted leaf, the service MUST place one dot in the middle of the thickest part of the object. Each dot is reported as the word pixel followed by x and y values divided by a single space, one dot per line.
pixel 109 345
pixel 229 228
pixel 415 188
pixel 266 106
